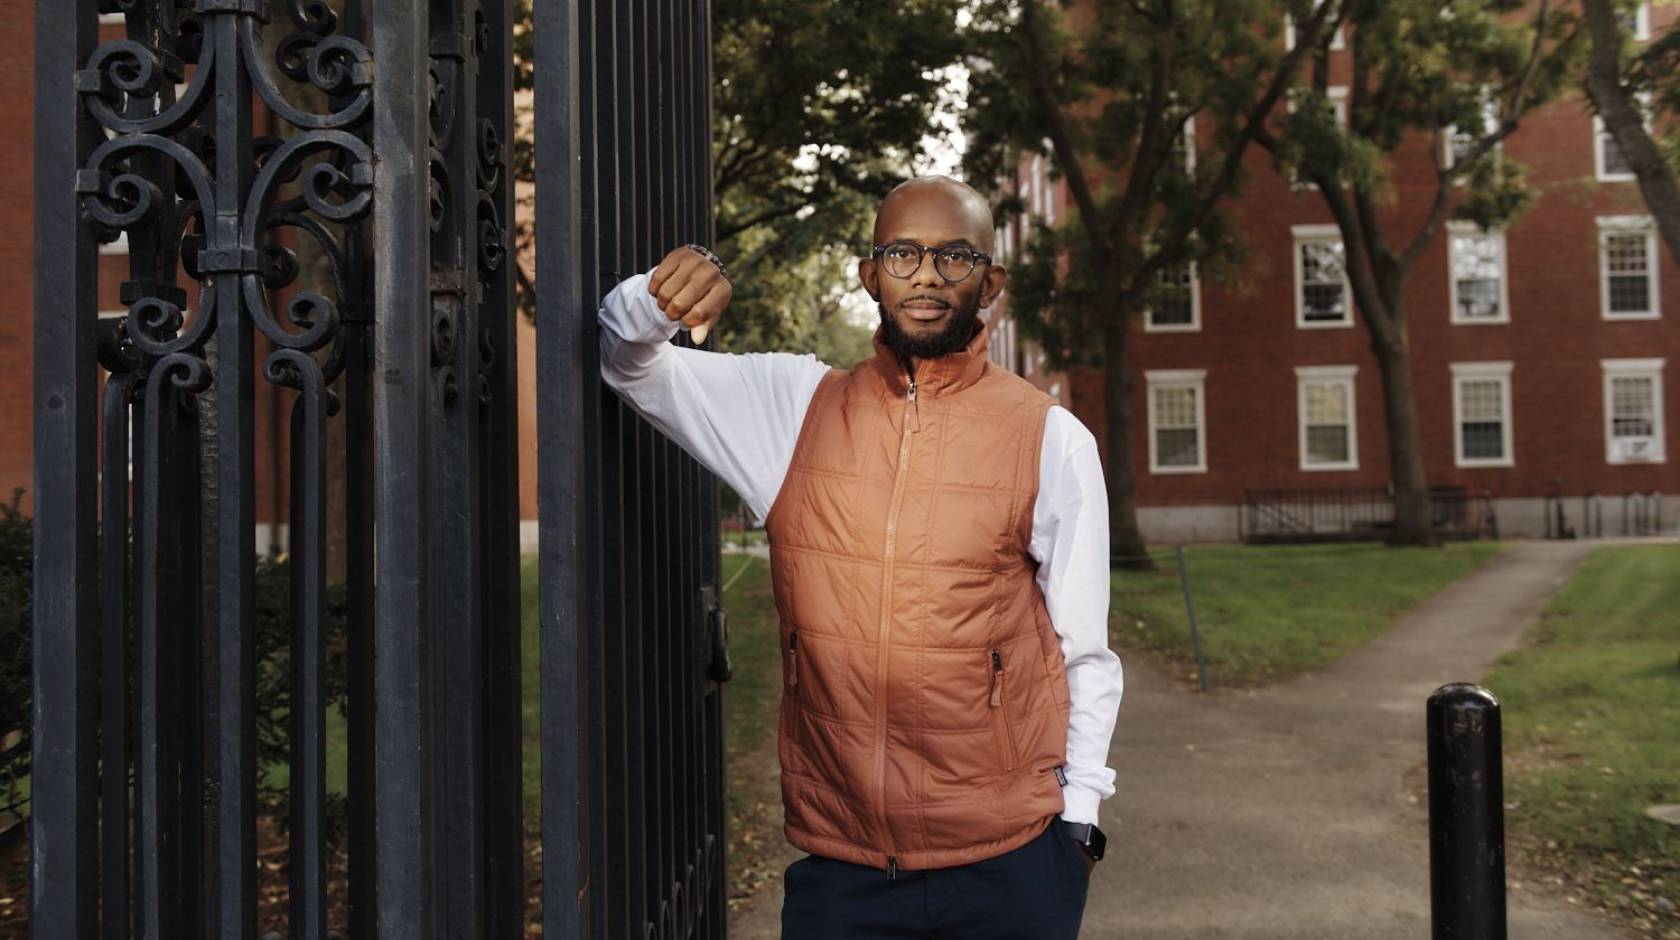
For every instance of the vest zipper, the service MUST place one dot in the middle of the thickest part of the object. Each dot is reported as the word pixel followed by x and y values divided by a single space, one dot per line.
pixel 912 424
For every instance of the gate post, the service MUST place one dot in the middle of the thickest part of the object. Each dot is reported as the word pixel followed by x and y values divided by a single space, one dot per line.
pixel 1466 814
pixel 65 607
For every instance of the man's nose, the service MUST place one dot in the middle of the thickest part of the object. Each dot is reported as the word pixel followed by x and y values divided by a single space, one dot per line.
pixel 926 273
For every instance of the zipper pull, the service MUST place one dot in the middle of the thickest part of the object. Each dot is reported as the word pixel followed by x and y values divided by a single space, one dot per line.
pixel 1061 774
pixel 913 415
pixel 892 868
pixel 997 679
pixel 793 657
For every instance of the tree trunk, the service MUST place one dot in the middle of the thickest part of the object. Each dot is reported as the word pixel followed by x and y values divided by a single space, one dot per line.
pixel 1125 540
pixel 1413 514
pixel 1616 108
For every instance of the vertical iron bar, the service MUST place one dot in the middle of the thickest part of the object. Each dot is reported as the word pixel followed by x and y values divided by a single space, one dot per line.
pixel 454 539
pixel 233 512
pixel 65 609
pixel 360 775
pixel 156 796
pixel 565 414
pixel 113 659
pixel 499 437
pixel 308 780
pixel 402 366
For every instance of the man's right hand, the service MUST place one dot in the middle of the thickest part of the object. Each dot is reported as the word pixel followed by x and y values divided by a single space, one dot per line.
pixel 691 289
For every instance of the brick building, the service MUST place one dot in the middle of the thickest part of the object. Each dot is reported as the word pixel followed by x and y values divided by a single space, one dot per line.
pixel 1539 352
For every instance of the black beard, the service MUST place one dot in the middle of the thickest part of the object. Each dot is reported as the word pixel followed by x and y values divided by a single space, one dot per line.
pixel 959 329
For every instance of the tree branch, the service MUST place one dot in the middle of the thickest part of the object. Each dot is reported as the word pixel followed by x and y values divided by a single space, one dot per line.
pixel 1060 142
pixel 1612 100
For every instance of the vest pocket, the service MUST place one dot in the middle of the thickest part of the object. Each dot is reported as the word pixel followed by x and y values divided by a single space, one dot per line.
pixel 1001 731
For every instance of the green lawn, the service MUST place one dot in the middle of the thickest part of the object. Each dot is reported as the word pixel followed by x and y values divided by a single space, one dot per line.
pixel 1591 710
pixel 1266 612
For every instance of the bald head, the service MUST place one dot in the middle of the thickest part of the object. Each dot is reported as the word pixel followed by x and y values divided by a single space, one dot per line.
pixel 940 203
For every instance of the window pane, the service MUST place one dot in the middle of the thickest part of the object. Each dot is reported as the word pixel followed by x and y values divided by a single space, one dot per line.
pixel 1633 411
pixel 1484 440
pixel 1172 306
pixel 1175 407
pixel 1327 404
pixel 1614 163
pixel 1327 444
pixel 1477 269
pixel 1323 289
pixel 1482 400
pixel 1176 447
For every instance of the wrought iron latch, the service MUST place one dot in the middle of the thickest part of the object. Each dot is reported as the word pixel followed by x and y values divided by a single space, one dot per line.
pixel 719 669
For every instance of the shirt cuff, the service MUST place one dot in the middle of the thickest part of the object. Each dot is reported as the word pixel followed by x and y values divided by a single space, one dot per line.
pixel 1079 803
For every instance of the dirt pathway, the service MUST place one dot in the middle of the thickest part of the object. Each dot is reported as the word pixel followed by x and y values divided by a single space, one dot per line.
pixel 1284 812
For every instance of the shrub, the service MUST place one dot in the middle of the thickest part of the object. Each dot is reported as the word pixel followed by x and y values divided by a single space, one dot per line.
pixel 273 602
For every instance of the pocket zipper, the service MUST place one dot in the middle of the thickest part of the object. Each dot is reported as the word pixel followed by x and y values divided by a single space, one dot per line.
pixel 793 657
pixel 997 679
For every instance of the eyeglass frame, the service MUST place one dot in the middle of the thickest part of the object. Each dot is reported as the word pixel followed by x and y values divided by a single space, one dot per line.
pixel 980 258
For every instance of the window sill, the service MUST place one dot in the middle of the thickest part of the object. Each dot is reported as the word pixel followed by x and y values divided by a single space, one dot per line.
pixel 1176 471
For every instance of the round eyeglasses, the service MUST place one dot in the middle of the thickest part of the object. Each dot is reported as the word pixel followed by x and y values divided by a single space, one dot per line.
pixel 953 262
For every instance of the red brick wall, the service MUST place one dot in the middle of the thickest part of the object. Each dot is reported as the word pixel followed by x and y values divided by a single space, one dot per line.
pixel 17 255
pixel 1250 345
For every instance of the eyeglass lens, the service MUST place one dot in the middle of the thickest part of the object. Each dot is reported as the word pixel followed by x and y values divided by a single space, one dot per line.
pixel 953 262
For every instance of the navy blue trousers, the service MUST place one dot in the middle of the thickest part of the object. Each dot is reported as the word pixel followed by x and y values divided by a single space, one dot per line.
pixel 1034 892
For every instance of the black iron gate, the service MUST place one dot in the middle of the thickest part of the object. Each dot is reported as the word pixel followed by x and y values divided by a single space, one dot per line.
pixel 622 113
pixel 236 143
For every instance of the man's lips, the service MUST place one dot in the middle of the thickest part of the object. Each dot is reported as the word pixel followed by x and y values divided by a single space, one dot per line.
pixel 924 310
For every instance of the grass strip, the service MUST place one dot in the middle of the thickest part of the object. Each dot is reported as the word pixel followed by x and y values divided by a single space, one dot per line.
pixel 1591 713
pixel 1269 612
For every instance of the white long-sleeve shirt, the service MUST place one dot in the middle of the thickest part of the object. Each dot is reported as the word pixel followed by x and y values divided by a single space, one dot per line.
pixel 740 415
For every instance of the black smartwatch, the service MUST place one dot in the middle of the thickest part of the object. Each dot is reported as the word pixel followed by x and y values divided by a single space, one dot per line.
pixel 1089 837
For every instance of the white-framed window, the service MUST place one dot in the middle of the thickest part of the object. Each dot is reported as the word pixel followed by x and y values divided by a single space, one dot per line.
pixel 1001 350
pixel 1627 264
pixel 1633 411
pixel 1608 161
pixel 1329 428
pixel 1637 21
pixel 1338 42
pixel 113 19
pixel 1478 289
pixel 1177 420
pixel 1178 304
pixel 1482 414
pixel 1184 147
pixel 118 247
pixel 1322 295
pixel 1338 95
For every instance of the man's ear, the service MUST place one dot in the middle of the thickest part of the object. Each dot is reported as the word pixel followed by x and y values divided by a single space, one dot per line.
pixel 992 287
pixel 870 275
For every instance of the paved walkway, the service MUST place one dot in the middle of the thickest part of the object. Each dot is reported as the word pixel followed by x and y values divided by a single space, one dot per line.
pixel 1284 812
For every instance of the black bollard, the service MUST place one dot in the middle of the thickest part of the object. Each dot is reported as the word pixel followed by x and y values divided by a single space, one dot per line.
pixel 1466 815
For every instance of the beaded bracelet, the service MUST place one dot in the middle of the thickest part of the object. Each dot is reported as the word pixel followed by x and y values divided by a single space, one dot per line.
pixel 706 253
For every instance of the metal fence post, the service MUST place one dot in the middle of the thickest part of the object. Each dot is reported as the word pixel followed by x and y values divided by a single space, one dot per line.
pixel 1190 609
pixel 1466 814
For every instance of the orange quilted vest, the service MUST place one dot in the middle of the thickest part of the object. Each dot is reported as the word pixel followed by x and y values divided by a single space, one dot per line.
pixel 924 699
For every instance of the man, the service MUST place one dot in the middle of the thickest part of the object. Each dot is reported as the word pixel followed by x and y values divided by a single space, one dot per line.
pixel 938 549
